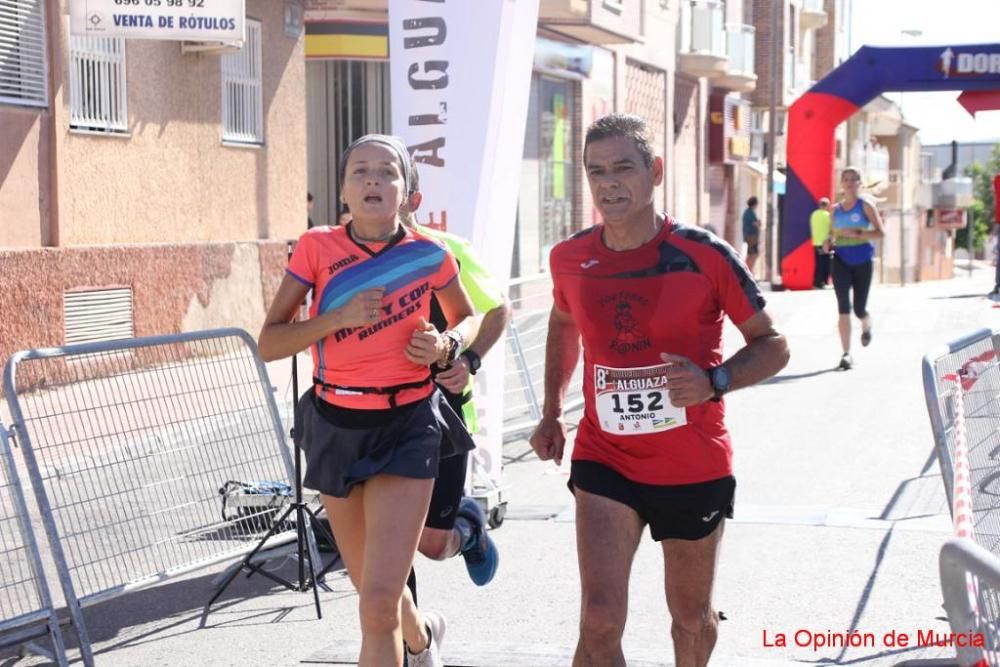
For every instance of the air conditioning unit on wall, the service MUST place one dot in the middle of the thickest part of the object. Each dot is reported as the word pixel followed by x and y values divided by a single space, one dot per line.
pixel 211 48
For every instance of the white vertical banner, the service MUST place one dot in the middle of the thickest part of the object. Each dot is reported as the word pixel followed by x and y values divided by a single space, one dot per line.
pixel 461 79
pixel 422 45
pixel 496 204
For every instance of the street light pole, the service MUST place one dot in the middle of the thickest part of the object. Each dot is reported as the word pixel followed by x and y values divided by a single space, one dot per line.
pixel 906 32
pixel 772 124
pixel 902 198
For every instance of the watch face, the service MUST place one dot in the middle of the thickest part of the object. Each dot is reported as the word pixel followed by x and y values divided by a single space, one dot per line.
pixel 720 378
pixel 474 361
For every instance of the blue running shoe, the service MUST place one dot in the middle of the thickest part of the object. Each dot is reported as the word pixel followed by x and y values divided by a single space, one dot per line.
pixel 479 551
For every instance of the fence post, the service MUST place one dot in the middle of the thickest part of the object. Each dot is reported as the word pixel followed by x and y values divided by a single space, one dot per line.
pixel 522 367
pixel 19 550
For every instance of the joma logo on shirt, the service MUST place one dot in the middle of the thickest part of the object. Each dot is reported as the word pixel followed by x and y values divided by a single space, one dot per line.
pixel 341 263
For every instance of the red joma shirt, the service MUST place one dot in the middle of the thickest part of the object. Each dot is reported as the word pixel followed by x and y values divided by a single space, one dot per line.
pixel 668 295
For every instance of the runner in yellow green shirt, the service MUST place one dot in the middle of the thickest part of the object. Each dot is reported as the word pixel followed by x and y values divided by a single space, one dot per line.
pixel 820 225
pixel 456 523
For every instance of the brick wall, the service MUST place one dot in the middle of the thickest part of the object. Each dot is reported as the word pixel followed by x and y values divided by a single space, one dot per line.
pixel 646 96
pixel 763 44
pixel 826 42
pixel 685 168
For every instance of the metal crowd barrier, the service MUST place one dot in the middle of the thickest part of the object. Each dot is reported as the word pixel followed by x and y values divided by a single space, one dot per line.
pixel 970 584
pixel 133 446
pixel 975 359
pixel 962 389
pixel 26 611
pixel 524 374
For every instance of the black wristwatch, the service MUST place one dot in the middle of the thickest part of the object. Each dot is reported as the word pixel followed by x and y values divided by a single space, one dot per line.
pixel 474 361
pixel 719 377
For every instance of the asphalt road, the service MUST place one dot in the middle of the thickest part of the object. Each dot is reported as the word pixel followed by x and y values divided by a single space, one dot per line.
pixel 840 516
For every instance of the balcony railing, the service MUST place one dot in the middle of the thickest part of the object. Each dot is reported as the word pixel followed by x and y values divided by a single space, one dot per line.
pixel 739 76
pixel 740 49
pixel 701 39
pixel 813 15
pixel 702 28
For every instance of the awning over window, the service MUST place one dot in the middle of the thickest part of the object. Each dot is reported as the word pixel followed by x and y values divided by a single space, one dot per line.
pixel 354 40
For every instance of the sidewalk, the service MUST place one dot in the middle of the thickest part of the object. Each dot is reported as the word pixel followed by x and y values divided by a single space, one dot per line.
pixel 840 514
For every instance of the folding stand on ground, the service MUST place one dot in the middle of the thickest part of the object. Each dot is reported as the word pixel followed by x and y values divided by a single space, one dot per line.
pixel 305 542
pixel 305 548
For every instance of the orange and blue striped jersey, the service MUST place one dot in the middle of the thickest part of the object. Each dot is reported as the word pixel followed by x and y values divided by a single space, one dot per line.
pixel 336 268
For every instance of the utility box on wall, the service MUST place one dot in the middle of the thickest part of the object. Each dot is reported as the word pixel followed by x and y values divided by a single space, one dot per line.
pixel 728 129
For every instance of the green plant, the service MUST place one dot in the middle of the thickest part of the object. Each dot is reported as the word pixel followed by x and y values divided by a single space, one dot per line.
pixel 981 211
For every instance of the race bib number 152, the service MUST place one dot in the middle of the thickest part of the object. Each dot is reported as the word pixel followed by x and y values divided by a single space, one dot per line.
pixel 634 401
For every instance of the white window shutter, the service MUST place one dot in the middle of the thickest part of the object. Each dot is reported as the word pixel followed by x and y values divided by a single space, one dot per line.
pixel 23 65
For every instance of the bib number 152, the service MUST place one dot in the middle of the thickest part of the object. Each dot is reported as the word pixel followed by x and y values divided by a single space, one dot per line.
pixel 637 402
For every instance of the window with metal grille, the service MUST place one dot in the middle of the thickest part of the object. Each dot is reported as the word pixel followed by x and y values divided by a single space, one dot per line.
pixel 242 95
pixel 22 53
pixel 97 91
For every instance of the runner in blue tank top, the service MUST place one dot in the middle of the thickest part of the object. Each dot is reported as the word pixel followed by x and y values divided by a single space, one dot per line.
pixel 855 224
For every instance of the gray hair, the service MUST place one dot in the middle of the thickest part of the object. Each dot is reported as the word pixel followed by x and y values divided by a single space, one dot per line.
pixel 623 125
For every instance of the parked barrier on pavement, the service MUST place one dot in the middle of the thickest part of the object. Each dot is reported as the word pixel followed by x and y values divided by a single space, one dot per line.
pixel 973 611
pixel 962 390
pixel 133 448
pixel 974 360
pixel 26 611
pixel 524 376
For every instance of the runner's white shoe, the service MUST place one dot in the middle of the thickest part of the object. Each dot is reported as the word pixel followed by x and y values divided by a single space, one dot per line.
pixel 430 656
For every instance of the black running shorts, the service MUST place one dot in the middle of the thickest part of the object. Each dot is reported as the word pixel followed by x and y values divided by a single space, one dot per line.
pixel 449 487
pixel 683 511
pixel 344 447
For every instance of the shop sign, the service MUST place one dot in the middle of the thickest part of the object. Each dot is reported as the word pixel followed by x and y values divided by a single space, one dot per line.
pixel 178 20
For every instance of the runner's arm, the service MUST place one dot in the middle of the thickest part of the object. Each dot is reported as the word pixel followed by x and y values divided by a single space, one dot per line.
pixel 456 378
pixel 873 216
pixel 562 352
pixel 765 353
pixel 458 310
pixel 280 337
pixel 486 298
pixel 491 329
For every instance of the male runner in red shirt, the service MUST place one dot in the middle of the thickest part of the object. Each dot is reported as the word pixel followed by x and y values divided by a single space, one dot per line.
pixel 647 295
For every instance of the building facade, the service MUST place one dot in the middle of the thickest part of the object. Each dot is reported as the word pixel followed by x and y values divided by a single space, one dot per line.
pixel 146 187
pixel 137 174
pixel 669 61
